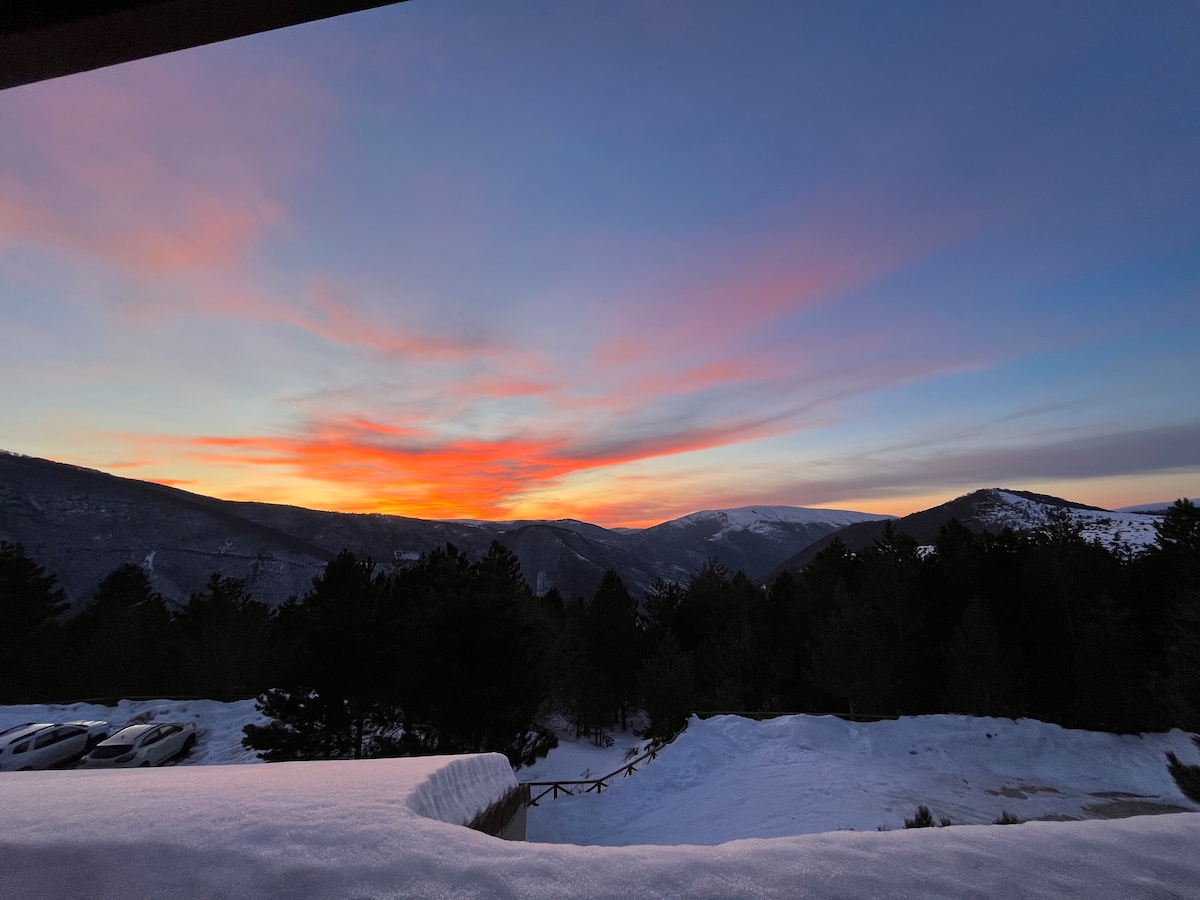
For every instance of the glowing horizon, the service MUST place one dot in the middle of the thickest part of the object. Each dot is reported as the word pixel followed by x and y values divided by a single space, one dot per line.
pixel 619 264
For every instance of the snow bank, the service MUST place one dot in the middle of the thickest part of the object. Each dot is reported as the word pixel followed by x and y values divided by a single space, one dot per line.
pixel 345 830
pixel 729 777
pixel 387 828
pixel 459 790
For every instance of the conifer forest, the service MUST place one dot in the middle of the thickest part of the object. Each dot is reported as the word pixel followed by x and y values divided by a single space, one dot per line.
pixel 449 654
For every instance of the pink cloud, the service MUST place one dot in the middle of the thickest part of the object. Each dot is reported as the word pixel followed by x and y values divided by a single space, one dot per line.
pixel 152 168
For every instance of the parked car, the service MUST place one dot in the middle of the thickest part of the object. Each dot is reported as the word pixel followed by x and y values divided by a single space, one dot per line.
pixel 142 745
pixel 43 745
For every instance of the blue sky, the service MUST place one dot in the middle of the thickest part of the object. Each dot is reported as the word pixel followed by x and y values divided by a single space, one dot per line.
pixel 619 261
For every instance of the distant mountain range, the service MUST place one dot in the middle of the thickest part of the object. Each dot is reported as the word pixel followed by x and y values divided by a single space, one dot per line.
pixel 81 524
pixel 994 509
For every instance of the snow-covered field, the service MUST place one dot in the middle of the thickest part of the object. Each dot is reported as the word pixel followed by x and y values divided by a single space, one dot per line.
pixel 728 777
pixel 386 828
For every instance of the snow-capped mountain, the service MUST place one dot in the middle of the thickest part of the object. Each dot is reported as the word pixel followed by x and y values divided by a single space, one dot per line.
pixel 1115 529
pixel 994 509
pixel 81 524
pixel 772 520
pixel 751 538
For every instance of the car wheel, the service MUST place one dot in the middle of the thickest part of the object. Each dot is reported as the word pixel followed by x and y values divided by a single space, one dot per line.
pixel 189 744
pixel 145 764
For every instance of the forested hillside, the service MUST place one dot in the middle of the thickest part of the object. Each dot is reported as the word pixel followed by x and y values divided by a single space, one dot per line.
pixel 450 654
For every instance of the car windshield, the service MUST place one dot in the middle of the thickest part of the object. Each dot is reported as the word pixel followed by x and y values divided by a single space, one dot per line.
pixel 19 731
pixel 108 751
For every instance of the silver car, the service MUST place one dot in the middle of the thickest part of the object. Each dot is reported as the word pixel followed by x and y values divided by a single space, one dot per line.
pixel 43 745
pixel 142 745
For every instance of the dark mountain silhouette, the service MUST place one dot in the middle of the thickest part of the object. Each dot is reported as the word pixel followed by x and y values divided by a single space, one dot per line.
pixel 81 524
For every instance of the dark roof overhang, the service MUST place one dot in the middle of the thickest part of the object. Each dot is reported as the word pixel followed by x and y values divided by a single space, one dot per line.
pixel 42 39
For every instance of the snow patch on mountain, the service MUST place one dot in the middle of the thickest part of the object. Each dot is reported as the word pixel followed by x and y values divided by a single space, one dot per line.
pixel 1127 532
pixel 766 520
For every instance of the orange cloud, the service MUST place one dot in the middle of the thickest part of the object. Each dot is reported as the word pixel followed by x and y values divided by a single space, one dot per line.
pixel 408 470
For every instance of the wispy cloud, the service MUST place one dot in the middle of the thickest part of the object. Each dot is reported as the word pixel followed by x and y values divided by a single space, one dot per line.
pixel 439 282
pixel 898 471
pixel 151 175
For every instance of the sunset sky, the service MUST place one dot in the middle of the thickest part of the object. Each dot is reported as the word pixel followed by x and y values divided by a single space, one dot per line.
pixel 619 260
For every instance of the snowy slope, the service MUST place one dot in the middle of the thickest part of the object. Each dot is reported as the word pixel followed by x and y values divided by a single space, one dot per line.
pixel 728 777
pixel 771 519
pixel 994 509
pixel 755 539
pixel 1123 531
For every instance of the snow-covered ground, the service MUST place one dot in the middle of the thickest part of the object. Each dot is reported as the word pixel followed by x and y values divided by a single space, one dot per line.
pixel 728 777
pixel 388 828
pixel 582 760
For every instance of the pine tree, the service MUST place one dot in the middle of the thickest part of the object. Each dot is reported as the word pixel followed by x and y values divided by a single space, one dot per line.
pixel 475 667
pixel 612 638
pixel 982 677
pixel 302 724
pixel 30 604
pixel 222 632
pixel 123 639
pixel 343 643
pixel 854 655
pixel 887 579
pixel 668 688
pixel 661 610
pixel 1112 672
pixel 1179 540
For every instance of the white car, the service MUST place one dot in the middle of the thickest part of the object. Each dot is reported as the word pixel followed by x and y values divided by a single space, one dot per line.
pixel 142 745
pixel 43 745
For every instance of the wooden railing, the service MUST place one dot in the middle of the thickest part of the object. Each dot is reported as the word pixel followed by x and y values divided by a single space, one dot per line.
pixel 540 789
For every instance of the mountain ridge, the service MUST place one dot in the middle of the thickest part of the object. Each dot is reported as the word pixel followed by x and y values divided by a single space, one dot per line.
pixel 82 523
pixel 993 509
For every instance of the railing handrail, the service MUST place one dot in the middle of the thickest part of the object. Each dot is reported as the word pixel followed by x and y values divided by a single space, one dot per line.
pixel 598 784
pixel 564 786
